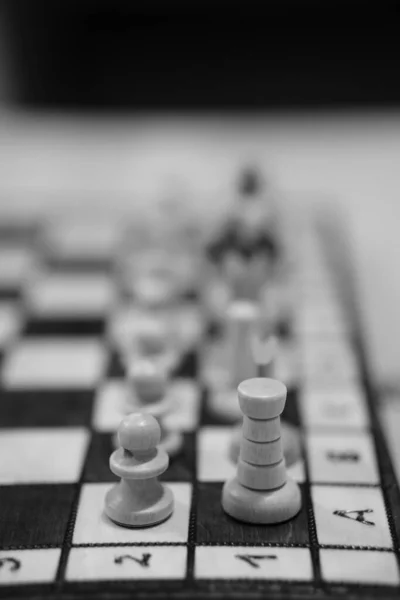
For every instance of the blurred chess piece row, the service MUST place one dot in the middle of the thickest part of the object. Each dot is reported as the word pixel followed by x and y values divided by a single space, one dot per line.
pixel 239 272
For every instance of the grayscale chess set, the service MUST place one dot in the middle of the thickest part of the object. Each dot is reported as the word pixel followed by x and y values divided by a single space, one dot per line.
pixel 186 409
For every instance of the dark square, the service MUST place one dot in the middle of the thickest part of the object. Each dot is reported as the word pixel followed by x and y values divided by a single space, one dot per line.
pixel 33 515
pixel 45 408
pixel 18 233
pixel 64 326
pixel 214 330
pixel 115 368
pixel 181 467
pixel 10 293
pixel 284 329
pixel 214 526
pixel 188 366
pixel 291 412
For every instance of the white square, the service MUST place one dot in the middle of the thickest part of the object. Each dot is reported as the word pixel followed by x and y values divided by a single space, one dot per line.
pixel 186 397
pixel 321 321
pixel 342 458
pixel 94 527
pixel 213 460
pixel 42 455
pixel 324 358
pixel 54 363
pixel 342 407
pixel 10 322
pixel 16 265
pixel 111 405
pixel 359 566
pixel 312 274
pixel 337 526
pixel 81 238
pixel 127 562
pixel 53 295
pixel 253 562
pixel 29 566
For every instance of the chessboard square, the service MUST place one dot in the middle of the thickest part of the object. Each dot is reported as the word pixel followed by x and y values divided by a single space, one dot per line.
pixel 186 398
pixel 350 516
pixel 325 321
pixel 326 359
pixel 19 227
pixel 342 458
pixel 359 566
pixel 29 566
pixel 54 295
pixel 115 367
pixel 97 463
pixel 85 238
pixel 213 461
pixel 64 327
pixel 45 408
pixel 35 515
pixel 54 363
pixel 125 563
pixel 213 456
pixel 253 562
pixel 42 455
pixel 16 264
pixel 92 526
pixel 110 404
pixel 10 322
pixel 343 407
pixel 214 526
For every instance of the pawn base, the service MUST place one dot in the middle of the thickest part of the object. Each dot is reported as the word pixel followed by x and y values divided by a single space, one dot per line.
pixel 118 510
pixel 263 508
pixel 290 443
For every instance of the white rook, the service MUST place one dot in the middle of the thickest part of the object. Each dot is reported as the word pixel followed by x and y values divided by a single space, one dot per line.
pixel 261 492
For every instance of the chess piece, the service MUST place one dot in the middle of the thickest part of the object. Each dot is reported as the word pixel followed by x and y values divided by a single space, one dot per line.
pixel 236 356
pixel 261 492
pixel 139 499
pixel 290 443
pixel 149 394
pixel 265 352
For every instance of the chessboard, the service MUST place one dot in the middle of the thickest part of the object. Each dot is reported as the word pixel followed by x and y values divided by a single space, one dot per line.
pixel 62 387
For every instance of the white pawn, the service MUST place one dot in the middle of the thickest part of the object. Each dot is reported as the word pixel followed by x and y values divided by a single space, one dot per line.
pixel 150 394
pixel 139 499
pixel 153 341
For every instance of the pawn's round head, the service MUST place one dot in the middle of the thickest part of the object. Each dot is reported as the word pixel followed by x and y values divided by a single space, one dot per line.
pixel 139 432
pixel 148 379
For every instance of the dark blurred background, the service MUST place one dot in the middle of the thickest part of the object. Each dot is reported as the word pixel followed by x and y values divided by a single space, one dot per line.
pixel 188 55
